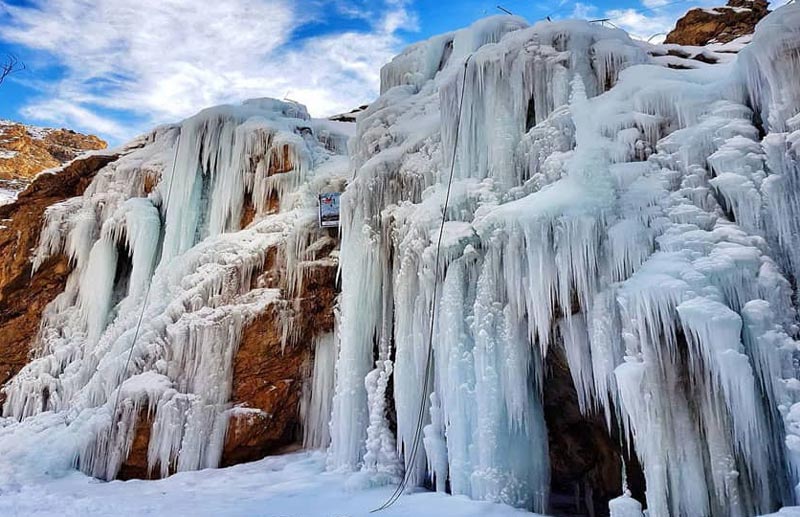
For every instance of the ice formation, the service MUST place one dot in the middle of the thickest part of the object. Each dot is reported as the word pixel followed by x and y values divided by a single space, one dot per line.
pixel 160 254
pixel 642 218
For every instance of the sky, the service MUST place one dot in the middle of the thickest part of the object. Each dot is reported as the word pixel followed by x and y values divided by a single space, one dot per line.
pixel 116 68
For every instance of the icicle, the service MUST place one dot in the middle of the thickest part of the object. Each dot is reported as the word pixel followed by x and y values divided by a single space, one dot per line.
pixel 317 413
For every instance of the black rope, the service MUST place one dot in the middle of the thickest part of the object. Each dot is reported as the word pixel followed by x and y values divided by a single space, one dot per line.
pixel 429 360
pixel 144 302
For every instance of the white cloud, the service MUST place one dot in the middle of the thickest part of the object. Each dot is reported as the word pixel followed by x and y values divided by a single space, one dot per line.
pixel 651 4
pixel 640 25
pixel 166 59
pixel 66 113
pixel 583 11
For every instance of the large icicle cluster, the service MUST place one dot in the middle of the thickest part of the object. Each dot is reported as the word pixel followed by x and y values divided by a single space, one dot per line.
pixel 642 218
pixel 169 213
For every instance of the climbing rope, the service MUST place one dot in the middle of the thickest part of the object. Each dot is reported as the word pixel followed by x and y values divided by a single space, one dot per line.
pixel 144 302
pixel 429 360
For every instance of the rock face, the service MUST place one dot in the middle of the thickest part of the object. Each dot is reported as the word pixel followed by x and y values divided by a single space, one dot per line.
pixel 25 150
pixel 268 377
pixel 720 24
pixel 23 297
pixel 268 374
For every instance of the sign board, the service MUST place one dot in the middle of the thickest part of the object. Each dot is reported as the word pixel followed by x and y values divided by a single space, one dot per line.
pixel 329 209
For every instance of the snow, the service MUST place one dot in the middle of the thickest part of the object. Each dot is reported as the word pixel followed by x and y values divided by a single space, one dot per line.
pixel 625 506
pixel 295 484
pixel 7 196
pixel 9 189
pixel 39 133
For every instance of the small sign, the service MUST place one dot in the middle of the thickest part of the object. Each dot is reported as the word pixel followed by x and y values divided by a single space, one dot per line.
pixel 329 209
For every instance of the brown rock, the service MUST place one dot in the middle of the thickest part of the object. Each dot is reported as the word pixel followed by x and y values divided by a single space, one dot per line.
pixel 268 377
pixel 350 116
pixel 135 466
pixel 268 381
pixel 268 372
pixel 26 151
pixel 718 25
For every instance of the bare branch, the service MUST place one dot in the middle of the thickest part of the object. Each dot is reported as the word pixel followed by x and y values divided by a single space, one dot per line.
pixel 10 65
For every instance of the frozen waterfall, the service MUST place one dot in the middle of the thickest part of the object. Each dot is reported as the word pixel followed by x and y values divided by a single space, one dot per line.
pixel 170 213
pixel 639 218
pixel 640 222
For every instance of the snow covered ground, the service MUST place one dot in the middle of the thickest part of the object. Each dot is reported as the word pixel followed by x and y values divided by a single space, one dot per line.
pixel 294 485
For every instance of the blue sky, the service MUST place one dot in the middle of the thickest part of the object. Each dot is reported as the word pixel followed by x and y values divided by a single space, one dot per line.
pixel 117 67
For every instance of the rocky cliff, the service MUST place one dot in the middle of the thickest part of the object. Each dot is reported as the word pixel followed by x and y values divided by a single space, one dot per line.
pixel 27 150
pixel 718 24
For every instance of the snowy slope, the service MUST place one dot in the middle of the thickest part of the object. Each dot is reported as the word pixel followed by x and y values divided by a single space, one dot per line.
pixel 10 189
pixel 7 196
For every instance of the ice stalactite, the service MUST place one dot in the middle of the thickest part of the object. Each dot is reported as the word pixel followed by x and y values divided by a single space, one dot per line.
pixel 630 214
pixel 183 236
pixel 319 394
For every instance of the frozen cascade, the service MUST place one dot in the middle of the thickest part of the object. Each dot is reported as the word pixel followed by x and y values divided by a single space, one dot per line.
pixel 634 216
pixel 640 221
pixel 170 212
pixel 318 396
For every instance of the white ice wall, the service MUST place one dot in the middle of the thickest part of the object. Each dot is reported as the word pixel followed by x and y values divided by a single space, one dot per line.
pixel 625 211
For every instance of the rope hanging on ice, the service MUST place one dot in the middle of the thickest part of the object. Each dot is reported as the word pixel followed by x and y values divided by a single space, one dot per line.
pixel 144 301
pixel 429 360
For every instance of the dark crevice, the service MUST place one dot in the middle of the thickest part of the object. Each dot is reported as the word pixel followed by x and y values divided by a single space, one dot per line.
pixel 446 53
pixel 586 460
pixel 530 118
pixel 122 276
